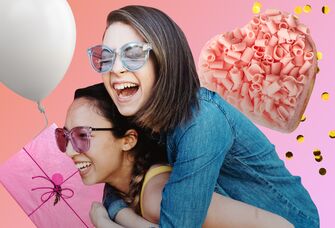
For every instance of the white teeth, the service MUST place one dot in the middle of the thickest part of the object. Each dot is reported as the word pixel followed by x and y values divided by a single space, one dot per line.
pixel 124 85
pixel 83 165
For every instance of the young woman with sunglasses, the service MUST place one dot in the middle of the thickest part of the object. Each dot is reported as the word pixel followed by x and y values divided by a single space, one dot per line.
pixel 108 148
pixel 211 146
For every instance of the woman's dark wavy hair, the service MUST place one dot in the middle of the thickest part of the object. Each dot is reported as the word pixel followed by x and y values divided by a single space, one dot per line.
pixel 174 92
pixel 146 152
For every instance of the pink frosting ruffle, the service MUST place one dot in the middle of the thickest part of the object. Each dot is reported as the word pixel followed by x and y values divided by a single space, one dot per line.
pixel 266 69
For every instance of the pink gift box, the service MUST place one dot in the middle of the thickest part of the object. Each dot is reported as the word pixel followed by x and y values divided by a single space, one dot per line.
pixel 47 185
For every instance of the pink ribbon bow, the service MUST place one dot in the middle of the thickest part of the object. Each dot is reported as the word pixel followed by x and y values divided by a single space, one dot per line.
pixel 57 181
pixel 56 190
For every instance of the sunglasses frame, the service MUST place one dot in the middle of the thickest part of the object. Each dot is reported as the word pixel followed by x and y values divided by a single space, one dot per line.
pixel 120 51
pixel 69 137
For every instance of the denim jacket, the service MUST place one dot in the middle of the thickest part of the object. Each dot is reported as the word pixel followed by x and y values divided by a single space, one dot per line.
pixel 221 150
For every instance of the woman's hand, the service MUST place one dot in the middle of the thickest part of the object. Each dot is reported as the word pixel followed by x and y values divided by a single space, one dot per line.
pixel 99 216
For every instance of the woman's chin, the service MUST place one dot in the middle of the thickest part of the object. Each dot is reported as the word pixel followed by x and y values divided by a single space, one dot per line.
pixel 87 181
pixel 88 178
pixel 127 110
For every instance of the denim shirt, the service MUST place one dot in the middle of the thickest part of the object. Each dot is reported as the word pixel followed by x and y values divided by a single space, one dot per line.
pixel 221 150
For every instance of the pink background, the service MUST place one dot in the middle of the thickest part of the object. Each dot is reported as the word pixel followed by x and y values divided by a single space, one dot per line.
pixel 21 121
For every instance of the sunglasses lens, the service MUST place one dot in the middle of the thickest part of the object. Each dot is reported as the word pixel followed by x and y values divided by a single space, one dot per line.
pixel 134 57
pixel 80 139
pixel 102 59
pixel 61 139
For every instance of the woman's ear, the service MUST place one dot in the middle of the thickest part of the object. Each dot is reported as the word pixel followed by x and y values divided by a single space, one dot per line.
pixel 129 140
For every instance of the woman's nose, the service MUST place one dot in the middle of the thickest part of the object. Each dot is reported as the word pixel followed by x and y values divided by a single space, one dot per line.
pixel 118 66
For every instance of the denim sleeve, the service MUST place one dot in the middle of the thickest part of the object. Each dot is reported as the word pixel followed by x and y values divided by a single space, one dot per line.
pixel 112 202
pixel 200 151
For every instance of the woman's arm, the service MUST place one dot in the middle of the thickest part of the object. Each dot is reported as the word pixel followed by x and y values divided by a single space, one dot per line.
pixel 99 217
pixel 222 212
pixel 126 217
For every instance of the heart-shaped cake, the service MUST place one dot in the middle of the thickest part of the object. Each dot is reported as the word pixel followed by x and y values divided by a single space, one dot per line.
pixel 266 69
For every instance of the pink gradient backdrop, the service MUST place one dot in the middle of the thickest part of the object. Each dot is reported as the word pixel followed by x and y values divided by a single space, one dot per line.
pixel 20 119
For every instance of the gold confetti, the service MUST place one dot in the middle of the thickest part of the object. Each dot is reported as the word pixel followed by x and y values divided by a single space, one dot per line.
pixel 332 134
pixel 322 171
pixel 307 8
pixel 300 138
pixel 317 70
pixel 318 158
pixel 256 9
pixel 319 55
pixel 325 9
pixel 298 10
pixel 258 4
pixel 303 118
pixel 317 152
pixel 325 96
pixel 289 155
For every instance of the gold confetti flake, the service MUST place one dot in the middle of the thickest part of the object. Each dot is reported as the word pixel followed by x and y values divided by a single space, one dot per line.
pixel 317 69
pixel 319 55
pixel 307 8
pixel 289 155
pixel 325 96
pixel 303 118
pixel 295 16
pixel 317 152
pixel 258 4
pixel 298 10
pixel 318 158
pixel 325 9
pixel 300 138
pixel 322 171
pixel 332 134
pixel 256 9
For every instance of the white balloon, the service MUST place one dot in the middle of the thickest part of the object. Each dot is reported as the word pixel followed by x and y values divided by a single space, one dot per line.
pixel 37 41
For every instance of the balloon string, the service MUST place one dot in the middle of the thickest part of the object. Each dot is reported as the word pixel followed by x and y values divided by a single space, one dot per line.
pixel 42 110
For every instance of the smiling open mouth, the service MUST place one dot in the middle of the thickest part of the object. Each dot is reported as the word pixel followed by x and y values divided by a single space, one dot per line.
pixel 126 89
pixel 83 165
